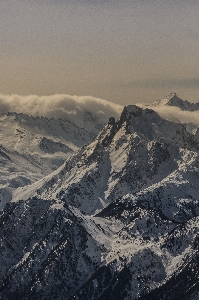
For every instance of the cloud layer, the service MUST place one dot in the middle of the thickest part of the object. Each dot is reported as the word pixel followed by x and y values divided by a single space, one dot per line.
pixel 73 108
pixel 60 106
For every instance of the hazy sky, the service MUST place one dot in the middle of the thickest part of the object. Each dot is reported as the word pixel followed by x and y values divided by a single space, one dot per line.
pixel 122 51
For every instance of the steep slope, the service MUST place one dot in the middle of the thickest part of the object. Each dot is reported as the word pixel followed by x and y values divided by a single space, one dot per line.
pixel 119 220
pixel 45 251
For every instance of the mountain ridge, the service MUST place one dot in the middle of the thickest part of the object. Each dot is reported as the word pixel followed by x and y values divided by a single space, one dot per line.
pixel 174 100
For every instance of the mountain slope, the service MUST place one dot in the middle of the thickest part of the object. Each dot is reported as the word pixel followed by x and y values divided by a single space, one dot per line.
pixel 31 148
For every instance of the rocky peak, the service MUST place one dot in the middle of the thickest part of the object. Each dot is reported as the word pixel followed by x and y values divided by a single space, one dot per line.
pixel 135 118
pixel 174 100
pixel 131 112
pixel 168 100
pixel 172 95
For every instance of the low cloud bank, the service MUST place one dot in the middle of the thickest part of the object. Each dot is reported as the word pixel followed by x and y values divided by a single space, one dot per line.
pixel 73 108
pixel 175 113
pixel 60 106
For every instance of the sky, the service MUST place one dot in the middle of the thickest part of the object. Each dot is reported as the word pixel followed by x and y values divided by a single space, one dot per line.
pixel 121 51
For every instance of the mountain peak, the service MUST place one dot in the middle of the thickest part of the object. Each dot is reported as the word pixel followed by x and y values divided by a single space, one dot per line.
pixel 168 100
pixel 171 96
pixel 174 100
pixel 135 111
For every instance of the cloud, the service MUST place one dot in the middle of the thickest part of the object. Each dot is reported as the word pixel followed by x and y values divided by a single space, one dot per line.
pixel 60 106
pixel 73 108
pixel 175 113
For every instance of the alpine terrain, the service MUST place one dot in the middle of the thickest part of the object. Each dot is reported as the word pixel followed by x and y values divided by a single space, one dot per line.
pixel 174 100
pixel 179 111
pixel 32 147
pixel 118 220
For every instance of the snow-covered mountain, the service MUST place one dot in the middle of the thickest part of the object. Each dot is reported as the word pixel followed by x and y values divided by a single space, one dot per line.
pixel 32 147
pixel 118 220
pixel 174 108
pixel 126 156
pixel 174 100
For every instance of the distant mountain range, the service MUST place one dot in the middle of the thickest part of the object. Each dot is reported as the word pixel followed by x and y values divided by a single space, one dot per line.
pixel 118 220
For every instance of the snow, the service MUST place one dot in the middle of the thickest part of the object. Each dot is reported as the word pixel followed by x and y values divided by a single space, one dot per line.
pixel 174 100
pixel 31 148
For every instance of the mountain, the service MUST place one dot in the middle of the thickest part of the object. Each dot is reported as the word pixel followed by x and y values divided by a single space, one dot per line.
pixel 126 156
pixel 118 220
pixel 32 147
pixel 174 100
pixel 183 111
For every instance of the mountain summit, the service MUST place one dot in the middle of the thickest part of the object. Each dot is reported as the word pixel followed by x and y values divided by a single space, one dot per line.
pixel 174 100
